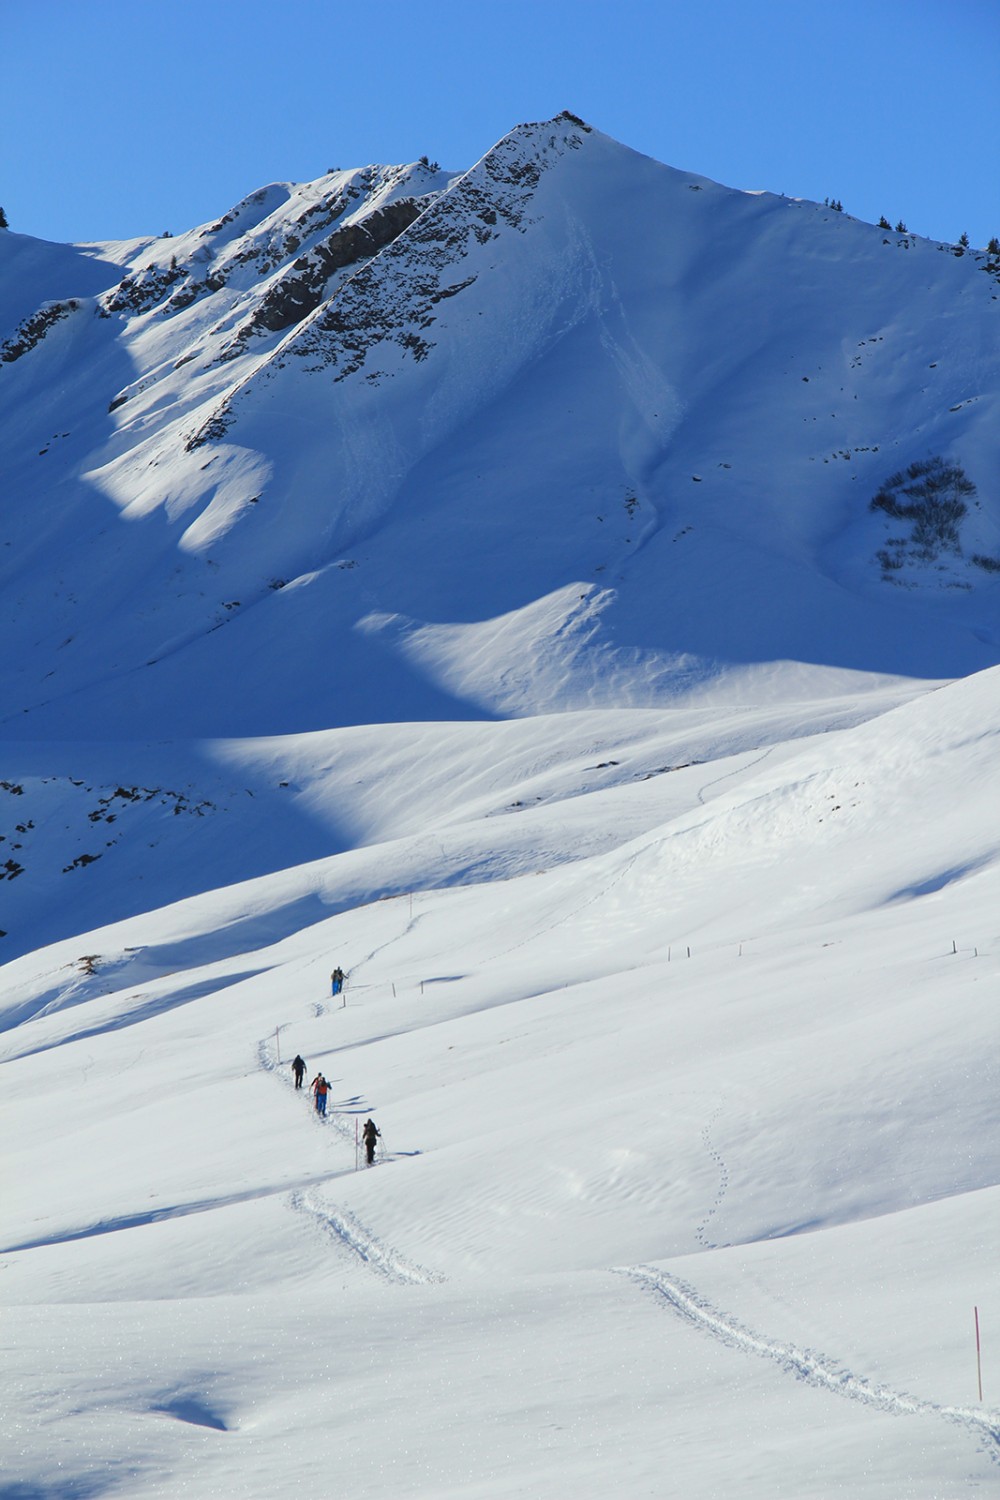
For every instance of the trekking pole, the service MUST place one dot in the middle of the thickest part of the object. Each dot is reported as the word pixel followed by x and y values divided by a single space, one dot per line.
pixel 356 1143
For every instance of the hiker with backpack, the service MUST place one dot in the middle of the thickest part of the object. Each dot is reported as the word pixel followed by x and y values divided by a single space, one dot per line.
pixel 299 1069
pixel 320 1089
pixel 370 1135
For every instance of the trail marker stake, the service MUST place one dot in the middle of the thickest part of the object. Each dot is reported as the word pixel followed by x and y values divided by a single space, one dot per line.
pixel 979 1356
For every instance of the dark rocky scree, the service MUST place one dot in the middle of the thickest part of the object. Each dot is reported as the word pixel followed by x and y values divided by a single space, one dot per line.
pixel 302 288
pixel 34 329
pixel 138 292
pixel 109 808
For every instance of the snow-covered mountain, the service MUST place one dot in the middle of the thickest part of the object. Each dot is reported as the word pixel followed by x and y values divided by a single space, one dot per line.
pixel 570 428
pixel 566 593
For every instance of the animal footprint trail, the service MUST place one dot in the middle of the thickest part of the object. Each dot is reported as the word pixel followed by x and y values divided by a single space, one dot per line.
pixel 701 1231
pixel 817 1370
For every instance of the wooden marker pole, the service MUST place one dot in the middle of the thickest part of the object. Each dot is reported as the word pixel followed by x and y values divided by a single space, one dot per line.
pixel 979 1357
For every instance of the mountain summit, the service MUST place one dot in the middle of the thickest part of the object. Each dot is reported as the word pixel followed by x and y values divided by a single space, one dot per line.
pixel 568 428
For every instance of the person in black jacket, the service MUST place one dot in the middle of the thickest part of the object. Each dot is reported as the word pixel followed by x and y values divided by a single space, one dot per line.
pixel 299 1069
pixel 370 1135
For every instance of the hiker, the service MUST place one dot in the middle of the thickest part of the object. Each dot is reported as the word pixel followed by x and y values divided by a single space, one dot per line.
pixel 320 1088
pixel 370 1135
pixel 299 1069
pixel 337 980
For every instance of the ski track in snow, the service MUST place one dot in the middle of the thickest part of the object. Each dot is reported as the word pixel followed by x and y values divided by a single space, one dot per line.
pixel 815 1369
pixel 730 774
pixel 352 1235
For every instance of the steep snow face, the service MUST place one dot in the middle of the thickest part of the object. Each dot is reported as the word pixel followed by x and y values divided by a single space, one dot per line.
pixel 569 429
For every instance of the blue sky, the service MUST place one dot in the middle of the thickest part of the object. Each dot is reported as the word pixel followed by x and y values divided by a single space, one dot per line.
pixel 133 118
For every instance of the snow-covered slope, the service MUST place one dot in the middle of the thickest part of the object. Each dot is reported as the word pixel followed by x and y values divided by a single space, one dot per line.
pixel 690 1180
pixel 564 594
pixel 570 428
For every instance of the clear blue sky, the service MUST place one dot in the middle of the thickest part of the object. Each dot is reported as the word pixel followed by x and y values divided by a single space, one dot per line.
pixel 128 117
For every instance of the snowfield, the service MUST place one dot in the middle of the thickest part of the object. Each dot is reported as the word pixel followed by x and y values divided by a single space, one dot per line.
pixel 527 655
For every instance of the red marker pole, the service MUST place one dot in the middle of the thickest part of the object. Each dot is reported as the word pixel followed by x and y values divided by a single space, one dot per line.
pixel 979 1357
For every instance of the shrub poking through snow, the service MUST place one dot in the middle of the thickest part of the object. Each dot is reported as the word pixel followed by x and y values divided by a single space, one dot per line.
pixel 931 495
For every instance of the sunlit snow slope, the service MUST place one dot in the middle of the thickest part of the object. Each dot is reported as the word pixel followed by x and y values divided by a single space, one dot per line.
pixel 473 580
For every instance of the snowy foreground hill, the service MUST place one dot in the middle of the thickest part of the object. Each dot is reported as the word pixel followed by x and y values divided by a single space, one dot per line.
pixel 565 594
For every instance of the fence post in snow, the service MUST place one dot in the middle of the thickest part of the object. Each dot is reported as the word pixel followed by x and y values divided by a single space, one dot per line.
pixel 979 1357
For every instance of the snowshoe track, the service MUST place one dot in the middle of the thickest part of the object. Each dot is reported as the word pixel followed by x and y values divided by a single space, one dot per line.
pixel 815 1369
pixel 351 1234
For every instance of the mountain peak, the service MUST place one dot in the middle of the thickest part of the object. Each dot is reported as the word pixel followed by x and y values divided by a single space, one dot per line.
pixel 475 400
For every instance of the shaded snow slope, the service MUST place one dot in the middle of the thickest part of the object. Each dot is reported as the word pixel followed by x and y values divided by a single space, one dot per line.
pixel 569 429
